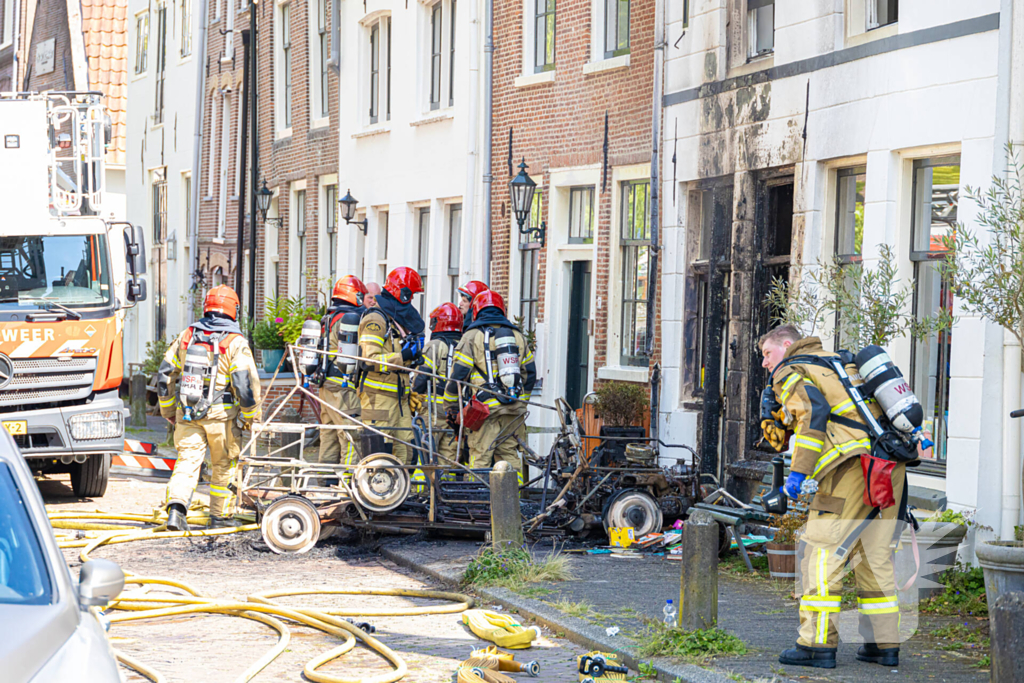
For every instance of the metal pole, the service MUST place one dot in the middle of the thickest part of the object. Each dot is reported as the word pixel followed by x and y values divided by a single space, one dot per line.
pixel 652 271
pixel 488 124
pixel 254 162
pixel 243 140
pixel 197 142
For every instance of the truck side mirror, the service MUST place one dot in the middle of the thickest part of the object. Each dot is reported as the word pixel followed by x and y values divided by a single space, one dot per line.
pixel 135 250
pixel 135 290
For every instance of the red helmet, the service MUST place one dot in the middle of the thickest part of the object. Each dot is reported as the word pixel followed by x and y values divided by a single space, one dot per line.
pixel 472 288
pixel 402 283
pixel 446 318
pixel 486 300
pixel 222 299
pixel 349 289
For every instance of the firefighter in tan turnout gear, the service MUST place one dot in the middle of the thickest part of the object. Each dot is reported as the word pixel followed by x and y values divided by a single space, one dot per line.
pixel 438 358
pixel 494 356
pixel 391 337
pixel 848 526
pixel 341 329
pixel 209 388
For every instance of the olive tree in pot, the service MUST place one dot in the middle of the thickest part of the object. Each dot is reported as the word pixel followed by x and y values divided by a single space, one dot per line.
pixel 621 407
pixel 987 277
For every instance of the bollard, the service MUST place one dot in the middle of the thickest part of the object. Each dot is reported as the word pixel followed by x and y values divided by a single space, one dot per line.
pixel 506 518
pixel 698 584
pixel 137 396
pixel 1007 623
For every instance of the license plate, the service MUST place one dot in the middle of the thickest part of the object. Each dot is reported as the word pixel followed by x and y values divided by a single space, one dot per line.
pixel 18 428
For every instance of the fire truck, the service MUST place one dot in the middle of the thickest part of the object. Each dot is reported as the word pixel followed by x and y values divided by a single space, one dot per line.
pixel 68 272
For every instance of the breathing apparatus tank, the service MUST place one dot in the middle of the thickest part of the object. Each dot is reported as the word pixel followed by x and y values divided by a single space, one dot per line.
pixel 348 343
pixel 885 383
pixel 506 355
pixel 309 340
pixel 195 374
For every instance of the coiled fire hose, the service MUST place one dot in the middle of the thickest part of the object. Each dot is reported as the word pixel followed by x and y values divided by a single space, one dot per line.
pixel 137 606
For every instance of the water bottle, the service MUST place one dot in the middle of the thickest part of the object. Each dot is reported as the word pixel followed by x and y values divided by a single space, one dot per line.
pixel 670 614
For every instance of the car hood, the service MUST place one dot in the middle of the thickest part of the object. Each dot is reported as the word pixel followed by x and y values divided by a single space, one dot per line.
pixel 37 632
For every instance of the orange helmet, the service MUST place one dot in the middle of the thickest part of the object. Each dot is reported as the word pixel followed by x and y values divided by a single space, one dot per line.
pixel 402 283
pixel 222 299
pixel 472 288
pixel 446 318
pixel 349 289
pixel 486 300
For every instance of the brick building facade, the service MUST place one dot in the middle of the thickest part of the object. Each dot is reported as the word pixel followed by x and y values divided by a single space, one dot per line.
pixel 575 90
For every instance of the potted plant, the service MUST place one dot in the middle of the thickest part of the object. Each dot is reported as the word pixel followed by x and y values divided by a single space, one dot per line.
pixel 782 548
pixel 267 338
pixel 987 278
pixel 621 408
pixel 938 539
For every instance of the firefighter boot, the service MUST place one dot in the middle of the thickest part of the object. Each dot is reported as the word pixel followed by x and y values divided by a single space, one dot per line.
pixel 176 517
pixel 870 652
pixel 817 657
pixel 224 522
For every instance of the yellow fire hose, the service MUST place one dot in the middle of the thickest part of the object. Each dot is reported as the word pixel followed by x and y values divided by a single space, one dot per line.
pixel 259 607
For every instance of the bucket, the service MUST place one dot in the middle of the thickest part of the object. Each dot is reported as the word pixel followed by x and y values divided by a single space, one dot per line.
pixel 781 560
pixel 1003 564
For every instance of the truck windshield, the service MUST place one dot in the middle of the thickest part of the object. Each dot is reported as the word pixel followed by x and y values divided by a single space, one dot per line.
pixel 70 270
pixel 24 579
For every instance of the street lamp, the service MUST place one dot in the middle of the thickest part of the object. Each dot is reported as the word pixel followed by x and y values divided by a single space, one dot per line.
pixel 522 188
pixel 263 197
pixel 348 211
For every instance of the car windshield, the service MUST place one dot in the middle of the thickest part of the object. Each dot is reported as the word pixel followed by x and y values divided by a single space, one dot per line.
pixel 68 270
pixel 24 579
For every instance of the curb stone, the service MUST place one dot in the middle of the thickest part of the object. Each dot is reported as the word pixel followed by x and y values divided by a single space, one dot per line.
pixel 576 630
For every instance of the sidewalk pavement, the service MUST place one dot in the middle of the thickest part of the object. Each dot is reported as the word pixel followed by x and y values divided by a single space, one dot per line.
pixel 621 591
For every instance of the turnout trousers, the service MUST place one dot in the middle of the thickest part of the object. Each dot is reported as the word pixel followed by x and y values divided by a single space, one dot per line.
pixel 487 445
pixel 383 410
pixel 336 442
pixel 840 536
pixel 191 439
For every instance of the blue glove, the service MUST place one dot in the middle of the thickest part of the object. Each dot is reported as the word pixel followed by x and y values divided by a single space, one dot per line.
pixel 412 347
pixel 793 483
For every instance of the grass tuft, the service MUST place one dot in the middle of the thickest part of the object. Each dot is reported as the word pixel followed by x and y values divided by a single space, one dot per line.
pixel 515 567
pixel 698 647
pixel 964 594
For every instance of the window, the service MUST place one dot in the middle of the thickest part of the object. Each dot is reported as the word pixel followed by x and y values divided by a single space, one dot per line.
pixel 387 74
pixel 529 267
pixel 186 202
pixel 284 104
pixel 160 239
pixel 882 13
pixel 635 241
pixel 454 243
pixel 225 157
pixel 299 211
pixel 229 34
pixel 581 215
pixel 324 42
pixel 435 55
pixel 382 246
pixel 760 27
pixel 423 254
pixel 141 42
pixel 186 28
pixel 936 192
pixel 378 84
pixel 616 28
pixel 331 226
pixel 8 26
pixel 451 56
pixel 161 63
pixel 374 71
pixel 849 240
pixel 211 167
pixel 544 36
pixel 686 14
pixel 159 206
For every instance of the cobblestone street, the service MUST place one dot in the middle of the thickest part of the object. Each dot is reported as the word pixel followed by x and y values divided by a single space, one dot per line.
pixel 203 649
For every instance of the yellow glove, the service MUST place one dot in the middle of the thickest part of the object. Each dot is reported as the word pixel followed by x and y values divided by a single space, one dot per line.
pixel 416 401
pixel 775 434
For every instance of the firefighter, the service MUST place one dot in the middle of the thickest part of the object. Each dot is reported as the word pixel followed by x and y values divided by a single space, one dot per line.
pixel 830 438
pixel 438 357
pixel 341 329
pixel 467 292
pixel 493 355
pixel 209 389
pixel 391 332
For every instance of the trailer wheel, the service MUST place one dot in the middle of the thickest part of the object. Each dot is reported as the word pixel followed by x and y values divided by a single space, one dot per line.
pixel 89 479
pixel 290 524
pixel 634 508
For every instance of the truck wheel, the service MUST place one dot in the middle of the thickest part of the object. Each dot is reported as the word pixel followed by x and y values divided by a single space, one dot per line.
pixel 89 479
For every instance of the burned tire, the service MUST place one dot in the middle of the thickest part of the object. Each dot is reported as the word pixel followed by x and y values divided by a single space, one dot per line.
pixel 633 508
pixel 89 479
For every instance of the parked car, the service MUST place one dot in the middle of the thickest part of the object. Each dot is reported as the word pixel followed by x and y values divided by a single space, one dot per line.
pixel 51 634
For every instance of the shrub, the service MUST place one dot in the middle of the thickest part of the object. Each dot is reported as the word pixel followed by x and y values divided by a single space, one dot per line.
pixel 155 351
pixel 266 335
pixel 622 404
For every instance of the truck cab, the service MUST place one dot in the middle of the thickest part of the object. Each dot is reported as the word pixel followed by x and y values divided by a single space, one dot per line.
pixel 67 274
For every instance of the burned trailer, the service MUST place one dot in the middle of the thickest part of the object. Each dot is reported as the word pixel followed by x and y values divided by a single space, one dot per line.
pixel 571 494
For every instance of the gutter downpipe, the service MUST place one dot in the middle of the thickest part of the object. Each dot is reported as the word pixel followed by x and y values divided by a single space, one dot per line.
pixel 659 70
pixel 488 128
pixel 1009 128
pixel 466 265
pixel 15 62
pixel 193 239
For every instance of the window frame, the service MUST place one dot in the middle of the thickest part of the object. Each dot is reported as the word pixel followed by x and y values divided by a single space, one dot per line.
pixel 582 191
pixel 451 53
pixel 869 4
pixel 284 71
pixel 185 48
pixel 753 7
pixel 323 56
pixel 301 230
pixel 141 42
pixel 629 242
pixel 921 260
pixel 330 210
pixel 423 251
pixel 374 83
pixel 548 16
pixel 161 63
pixel 436 25
pixel 454 260
pixel 611 25
pixel 529 264
pixel 7 37
pixel 841 174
